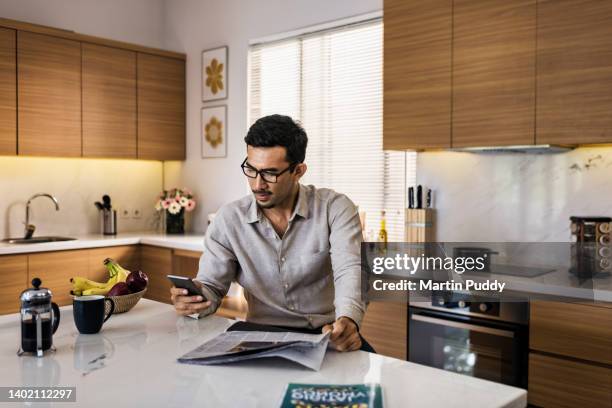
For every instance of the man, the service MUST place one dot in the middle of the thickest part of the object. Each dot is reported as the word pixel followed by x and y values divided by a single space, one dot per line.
pixel 294 249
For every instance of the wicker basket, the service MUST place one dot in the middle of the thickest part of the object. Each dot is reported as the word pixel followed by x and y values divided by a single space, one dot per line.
pixel 126 302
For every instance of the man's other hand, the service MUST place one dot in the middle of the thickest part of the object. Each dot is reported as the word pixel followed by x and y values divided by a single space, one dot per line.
pixel 344 334
pixel 186 305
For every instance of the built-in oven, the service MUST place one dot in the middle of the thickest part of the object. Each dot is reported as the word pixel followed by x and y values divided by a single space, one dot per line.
pixel 482 339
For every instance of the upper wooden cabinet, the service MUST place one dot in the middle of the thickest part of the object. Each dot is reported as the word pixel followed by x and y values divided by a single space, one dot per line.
pixel 109 102
pixel 524 72
pixel 417 74
pixel 493 72
pixel 574 59
pixel 161 108
pixel 8 92
pixel 49 95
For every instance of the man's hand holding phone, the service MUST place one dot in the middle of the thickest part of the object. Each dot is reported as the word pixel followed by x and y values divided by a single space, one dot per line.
pixel 186 304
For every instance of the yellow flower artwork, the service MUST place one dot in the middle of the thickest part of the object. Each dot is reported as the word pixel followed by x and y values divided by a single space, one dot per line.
pixel 214 76
pixel 214 132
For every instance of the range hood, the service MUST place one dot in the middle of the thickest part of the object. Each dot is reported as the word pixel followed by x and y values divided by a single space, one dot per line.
pixel 522 149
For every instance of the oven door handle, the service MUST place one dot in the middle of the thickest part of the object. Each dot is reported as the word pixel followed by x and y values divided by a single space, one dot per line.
pixel 460 325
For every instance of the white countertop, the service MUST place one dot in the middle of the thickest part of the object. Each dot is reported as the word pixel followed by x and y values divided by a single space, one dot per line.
pixel 191 242
pixel 132 362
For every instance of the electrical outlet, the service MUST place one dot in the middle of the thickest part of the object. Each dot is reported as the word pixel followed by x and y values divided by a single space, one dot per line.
pixel 136 213
pixel 124 213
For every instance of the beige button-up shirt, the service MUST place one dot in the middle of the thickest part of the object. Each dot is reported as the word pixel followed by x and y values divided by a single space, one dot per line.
pixel 309 277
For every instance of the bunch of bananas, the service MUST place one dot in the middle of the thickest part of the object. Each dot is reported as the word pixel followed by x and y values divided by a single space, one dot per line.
pixel 82 286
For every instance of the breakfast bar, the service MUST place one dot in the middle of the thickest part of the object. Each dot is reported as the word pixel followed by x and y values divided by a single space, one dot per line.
pixel 132 362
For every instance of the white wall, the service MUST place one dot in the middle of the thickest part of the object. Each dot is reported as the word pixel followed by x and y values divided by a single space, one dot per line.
pixel 136 21
pixel 77 183
pixel 195 25
pixel 516 197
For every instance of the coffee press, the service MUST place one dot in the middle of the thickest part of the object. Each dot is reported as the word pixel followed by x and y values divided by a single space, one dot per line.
pixel 40 318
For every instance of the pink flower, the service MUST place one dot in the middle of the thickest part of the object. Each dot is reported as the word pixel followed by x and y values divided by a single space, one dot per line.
pixel 190 205
pixel 177 197
pixel 166 203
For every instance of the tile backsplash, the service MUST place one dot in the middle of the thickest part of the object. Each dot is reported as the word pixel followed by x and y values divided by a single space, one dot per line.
pixel 77 184
pixel 516 197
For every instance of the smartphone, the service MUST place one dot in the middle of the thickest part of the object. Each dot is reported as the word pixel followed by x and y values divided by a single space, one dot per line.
pixel 184 282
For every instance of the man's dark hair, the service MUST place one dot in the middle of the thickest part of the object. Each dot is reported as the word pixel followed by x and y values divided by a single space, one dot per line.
pixel 279 130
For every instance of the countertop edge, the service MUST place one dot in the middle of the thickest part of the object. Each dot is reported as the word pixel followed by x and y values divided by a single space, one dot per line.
pixel 186 242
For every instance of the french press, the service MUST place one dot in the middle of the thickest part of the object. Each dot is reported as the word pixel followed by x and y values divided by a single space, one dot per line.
pixel 40 318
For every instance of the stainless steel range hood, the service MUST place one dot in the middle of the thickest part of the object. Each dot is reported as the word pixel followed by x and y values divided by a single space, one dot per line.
pixel 521 149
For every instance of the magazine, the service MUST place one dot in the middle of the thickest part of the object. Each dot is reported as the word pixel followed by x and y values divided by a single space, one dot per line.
pixel 332 396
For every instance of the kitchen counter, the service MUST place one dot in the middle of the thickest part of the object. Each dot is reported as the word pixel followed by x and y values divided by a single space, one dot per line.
pixel 190 242
pixel 132 362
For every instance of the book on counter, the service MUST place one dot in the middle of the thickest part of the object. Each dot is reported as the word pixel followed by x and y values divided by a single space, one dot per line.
pixel 332 396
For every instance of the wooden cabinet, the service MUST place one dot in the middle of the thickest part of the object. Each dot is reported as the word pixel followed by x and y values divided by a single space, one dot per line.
pixel 13 281
pixel 55 270
pixel 8 92
pixel 385 327
pixel 574 60
pixel 127 256
pixel 555 382
pixel 493 72
pixel 49 95
pixel 109 102
pixel 161 108
pixel 157 263
pixel 417 74
pixel 572 330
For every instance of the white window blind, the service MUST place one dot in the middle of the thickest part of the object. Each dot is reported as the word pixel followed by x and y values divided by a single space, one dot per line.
pixel 331 81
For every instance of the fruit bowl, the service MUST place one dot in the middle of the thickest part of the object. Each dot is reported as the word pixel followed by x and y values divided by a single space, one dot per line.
pixel 125 302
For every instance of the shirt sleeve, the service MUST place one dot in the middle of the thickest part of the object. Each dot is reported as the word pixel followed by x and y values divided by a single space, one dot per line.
pixel 345 249
pixel 218 265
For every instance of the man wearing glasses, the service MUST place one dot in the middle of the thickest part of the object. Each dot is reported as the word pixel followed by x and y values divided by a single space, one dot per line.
pixel 294 249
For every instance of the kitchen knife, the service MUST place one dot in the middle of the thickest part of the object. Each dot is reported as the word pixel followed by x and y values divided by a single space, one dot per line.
pixel 428 199
pixel 410 197
pixel 419 197
pixel 99 205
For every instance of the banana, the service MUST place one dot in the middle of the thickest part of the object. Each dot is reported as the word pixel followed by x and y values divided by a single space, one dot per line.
pixel 97 291
pixel 114 269
pixel 81 283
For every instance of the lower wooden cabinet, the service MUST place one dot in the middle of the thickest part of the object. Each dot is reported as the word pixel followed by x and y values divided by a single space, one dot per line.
pixel 557 382
pixel 55 269
pixel 571 329
pixel 157 263
pixel 13 280
pixel 385 327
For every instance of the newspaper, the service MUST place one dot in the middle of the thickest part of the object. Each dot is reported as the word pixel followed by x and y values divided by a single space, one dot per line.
pixel 229 347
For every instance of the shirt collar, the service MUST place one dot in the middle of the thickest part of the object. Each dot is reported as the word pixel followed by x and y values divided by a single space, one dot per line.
pixel 301 207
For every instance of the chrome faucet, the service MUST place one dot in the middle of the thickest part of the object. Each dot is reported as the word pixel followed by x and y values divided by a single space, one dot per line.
pixel 29 228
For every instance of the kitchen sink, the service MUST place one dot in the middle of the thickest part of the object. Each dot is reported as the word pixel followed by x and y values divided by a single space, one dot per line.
pixel 36 240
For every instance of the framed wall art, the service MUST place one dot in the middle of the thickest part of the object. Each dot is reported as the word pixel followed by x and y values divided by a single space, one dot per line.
pixel 214 131
pixel 214 74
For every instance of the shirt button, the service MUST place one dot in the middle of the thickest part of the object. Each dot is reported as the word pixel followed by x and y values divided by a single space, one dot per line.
pixel 283 259
pixel 291 308
pixel 286 285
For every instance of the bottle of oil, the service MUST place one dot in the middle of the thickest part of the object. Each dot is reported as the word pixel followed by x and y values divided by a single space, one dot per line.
pixel 382 233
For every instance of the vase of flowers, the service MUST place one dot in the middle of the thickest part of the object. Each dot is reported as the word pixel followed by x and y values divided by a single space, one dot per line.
pixel 175 203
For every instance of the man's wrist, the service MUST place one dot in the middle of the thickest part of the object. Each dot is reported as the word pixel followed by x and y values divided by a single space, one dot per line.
pixel 350 319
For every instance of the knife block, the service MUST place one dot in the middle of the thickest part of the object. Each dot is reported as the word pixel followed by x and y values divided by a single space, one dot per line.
pixel 420 223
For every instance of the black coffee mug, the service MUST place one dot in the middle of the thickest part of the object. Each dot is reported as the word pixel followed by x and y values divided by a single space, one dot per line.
pixel 89 312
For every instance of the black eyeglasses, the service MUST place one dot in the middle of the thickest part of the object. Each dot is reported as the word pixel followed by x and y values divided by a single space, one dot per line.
pixel 267 175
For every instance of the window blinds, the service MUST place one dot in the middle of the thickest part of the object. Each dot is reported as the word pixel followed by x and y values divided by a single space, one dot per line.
pixel 331 81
